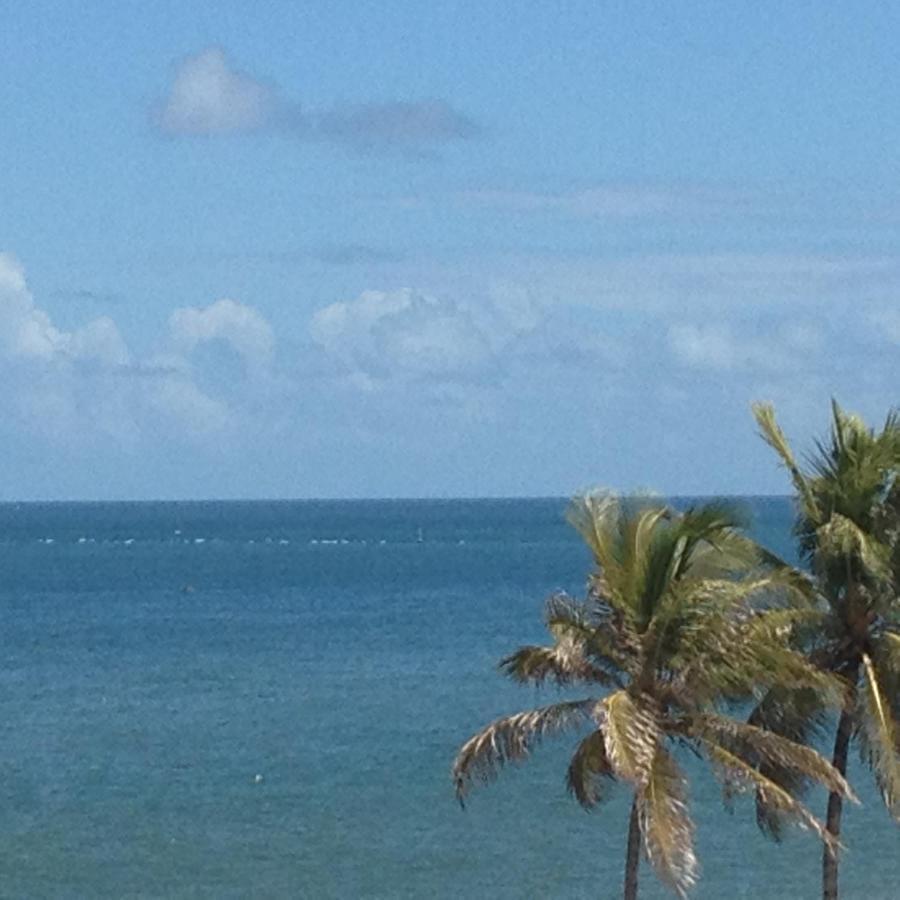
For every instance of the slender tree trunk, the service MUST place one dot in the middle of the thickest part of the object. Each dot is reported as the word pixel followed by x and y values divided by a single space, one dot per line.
pixel 836 801
pixel 633 853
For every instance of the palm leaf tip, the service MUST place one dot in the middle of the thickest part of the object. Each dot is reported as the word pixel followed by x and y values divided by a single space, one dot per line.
pixel 666 826
pixel 510 740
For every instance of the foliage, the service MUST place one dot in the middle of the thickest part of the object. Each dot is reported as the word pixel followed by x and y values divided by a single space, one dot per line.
pixel 683 613
pixel 848 530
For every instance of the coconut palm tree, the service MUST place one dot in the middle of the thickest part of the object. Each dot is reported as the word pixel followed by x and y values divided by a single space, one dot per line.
pixel 848 523
pixel 670 631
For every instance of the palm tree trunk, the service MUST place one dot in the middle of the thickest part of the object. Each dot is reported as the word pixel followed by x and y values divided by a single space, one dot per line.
pixel 633 853
pixel 835 801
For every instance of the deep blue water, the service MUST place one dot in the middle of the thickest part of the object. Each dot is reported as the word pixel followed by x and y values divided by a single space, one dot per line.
pixel 264 699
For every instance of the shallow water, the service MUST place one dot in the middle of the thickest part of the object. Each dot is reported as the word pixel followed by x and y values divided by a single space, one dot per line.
pixel 263 699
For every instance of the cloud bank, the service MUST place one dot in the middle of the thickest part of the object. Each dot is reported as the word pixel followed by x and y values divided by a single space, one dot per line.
pixel 86 382
pixel 620 366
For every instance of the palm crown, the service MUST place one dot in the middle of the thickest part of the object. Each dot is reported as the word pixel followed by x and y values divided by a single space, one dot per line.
pixel 682 614
pixel 848 529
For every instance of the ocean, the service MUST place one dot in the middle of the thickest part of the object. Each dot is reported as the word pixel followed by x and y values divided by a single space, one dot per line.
pixel 263 699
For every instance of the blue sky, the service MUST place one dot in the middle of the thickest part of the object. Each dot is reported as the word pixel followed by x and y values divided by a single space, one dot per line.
pixel 406 249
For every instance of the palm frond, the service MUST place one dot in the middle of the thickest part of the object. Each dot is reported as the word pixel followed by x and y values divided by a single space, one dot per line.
pixel 593 516
pixel 666 826
pixel 720 647
pixel 738 775
pixel 563 663
pixel 878 738
pixel 758 747
pixel 588 770
pixel 799 715
pixel 771 433
pixel 598 632
pixel 841 537
pixel 647 559
pixel 511 739
pixel 631 733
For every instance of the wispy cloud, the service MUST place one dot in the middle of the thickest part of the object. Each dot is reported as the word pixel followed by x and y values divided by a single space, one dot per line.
pixel 210 96
pixel 720 347
pixel 355 254
pixel 395 123
pixel 614 201
pixel 86 295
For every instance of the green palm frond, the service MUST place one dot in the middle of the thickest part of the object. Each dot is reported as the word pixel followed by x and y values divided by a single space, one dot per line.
pixel 666 826
pixel 589 769
pixel 593 516
pixel 740 653
pixel 766 658
pixel 631 733
pixel 647 552
pixel 771 433
pixel 878 734
pixel 738 775
pixel 511 739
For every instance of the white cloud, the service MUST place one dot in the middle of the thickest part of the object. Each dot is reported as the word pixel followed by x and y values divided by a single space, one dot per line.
pixel 238 325
pixel 209 96
pixel 66 384
pixel 27 332
pixel 383 334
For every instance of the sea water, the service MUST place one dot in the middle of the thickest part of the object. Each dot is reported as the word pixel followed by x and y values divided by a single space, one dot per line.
pixel 263 699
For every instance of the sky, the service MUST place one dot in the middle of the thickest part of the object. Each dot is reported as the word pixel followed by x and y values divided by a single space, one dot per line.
pixel 363 249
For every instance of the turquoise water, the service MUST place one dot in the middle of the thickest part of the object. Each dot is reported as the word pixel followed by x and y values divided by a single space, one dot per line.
pixel 264 699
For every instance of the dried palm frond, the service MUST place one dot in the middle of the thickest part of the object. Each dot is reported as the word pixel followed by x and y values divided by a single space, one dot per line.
pixel 799 715
pixel 666 826
pixel 738 775
pixel 511 739
pixel 878 737
pixel 631 733
pixel 589 769
pixel 758 747
pixel 562 663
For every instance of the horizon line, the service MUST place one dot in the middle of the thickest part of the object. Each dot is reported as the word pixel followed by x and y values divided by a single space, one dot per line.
pixel 395 499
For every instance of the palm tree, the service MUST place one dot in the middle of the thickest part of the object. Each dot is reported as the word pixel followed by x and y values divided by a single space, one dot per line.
pixel 848 518
pixel 670 630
